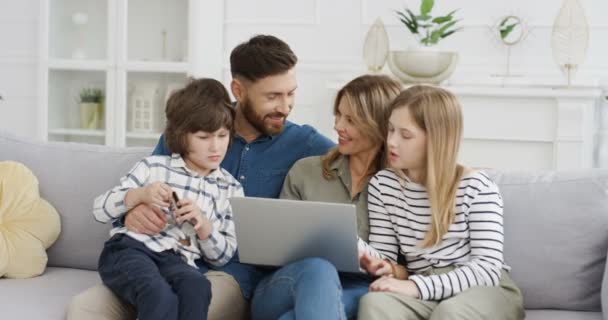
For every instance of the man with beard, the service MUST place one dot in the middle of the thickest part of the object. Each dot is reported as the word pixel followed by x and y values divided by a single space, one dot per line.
pixel 264 148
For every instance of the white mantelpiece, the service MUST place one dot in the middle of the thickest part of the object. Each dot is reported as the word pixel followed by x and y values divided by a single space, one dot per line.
pixel 532 127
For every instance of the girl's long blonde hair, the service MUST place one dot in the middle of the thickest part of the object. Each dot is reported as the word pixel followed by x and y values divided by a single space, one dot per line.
pixel 438 113
pixel 368 97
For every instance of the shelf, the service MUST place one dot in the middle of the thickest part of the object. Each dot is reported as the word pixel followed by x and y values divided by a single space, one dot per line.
pixel 133 50
pixel 157 30
pixel 70 64
pixel 157 66
pixel 144 135
pixel 77 132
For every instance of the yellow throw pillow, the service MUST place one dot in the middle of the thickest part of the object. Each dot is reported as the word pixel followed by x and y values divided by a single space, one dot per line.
pixel 28 223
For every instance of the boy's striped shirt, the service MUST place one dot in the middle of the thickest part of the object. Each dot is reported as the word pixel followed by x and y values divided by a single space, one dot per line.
pixel 210 193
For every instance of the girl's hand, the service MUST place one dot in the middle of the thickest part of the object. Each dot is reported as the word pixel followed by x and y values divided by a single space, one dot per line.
pixel 375 266
pixel 390 284
pixel 190 212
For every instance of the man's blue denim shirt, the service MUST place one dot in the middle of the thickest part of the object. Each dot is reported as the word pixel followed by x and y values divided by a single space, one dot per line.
pixel 261 166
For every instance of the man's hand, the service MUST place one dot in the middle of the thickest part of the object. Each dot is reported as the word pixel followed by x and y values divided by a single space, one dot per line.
pixel 375 266
pixel 189 211
pixel 145 219
pixel 390 284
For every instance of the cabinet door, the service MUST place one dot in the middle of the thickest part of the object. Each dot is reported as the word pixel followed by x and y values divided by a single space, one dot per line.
pixel 78 29
pixel 152 61
pixel 78 70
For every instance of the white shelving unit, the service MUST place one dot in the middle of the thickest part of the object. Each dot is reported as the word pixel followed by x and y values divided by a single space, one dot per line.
pixel 117 46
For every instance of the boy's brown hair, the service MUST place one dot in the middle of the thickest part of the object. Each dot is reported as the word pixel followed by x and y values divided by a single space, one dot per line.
pixel 202 105
pixel 260 57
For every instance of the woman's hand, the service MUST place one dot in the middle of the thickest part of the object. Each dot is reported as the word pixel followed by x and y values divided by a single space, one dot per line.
pixel 375 266
pixel 189 211
pixel 390 284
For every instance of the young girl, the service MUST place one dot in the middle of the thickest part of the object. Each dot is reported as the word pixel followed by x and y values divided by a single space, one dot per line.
pixel 157 273
pixel 446 220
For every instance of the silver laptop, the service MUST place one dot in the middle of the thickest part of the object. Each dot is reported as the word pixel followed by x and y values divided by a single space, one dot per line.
pixel 274 232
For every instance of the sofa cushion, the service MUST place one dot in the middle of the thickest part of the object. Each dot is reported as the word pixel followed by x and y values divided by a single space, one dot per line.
pixel 45 297
pixel 71 175
pixel 556 236
pixel 28 224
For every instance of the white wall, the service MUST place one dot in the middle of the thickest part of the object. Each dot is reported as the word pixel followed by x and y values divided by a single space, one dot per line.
pixel 328 37
pixel 19 30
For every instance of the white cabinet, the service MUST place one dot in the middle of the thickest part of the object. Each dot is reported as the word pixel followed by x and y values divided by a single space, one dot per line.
pixel 135 51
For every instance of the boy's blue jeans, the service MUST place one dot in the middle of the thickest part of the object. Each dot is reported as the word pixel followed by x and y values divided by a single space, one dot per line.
pixel 308 289
pixel 159 284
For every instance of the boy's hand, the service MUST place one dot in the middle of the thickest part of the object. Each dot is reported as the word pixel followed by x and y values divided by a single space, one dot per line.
pixel 156 193
pixel 189 211
pixel 375 266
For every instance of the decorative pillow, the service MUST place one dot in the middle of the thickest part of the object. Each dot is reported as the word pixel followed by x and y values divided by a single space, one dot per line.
pixel 28 223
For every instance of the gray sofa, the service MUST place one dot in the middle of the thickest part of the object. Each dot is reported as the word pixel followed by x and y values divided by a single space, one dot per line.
pixel 556 231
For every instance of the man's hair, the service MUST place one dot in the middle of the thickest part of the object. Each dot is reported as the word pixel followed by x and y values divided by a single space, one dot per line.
pixel 202 105
pixel 260 57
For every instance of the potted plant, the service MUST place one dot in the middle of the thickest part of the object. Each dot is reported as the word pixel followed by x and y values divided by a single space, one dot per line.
pixel 423 62
pixel 91 108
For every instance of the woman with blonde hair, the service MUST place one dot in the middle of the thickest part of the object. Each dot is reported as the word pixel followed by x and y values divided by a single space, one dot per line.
pixel 444 219
pixel 312 288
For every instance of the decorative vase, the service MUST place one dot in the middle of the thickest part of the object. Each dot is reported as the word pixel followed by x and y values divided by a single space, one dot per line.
pixel 80 19
pixel 422 66
pixel 90 115
pixel 570 38
pixel 375 46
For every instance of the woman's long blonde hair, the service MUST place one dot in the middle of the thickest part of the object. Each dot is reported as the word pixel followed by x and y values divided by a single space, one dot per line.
pixel 368 97
pixel 438 113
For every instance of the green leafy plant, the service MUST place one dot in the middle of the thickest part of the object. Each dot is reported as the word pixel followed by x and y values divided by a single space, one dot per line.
pixel 505 29
pixel 91 95
pixel 429 29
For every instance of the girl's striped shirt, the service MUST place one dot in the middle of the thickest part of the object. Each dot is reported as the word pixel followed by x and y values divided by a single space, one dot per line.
pixel 400 216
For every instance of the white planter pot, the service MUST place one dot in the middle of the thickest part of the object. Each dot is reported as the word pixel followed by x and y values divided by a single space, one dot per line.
pixel 422 66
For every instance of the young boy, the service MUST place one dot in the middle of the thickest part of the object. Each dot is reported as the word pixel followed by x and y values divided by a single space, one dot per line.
pixel 157 273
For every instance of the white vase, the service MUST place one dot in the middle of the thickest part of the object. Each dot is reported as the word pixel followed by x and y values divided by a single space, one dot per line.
pixel 422 66
pixel 375 46
pixel 90 115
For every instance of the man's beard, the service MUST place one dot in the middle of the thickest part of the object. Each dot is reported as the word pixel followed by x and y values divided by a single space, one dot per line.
pixel 257 120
